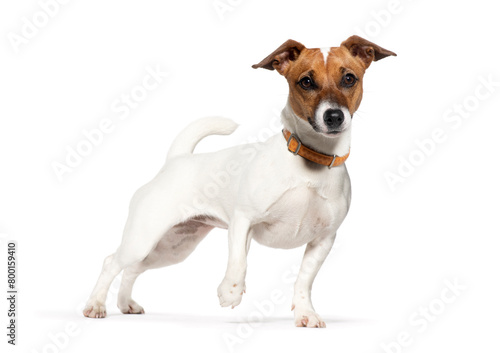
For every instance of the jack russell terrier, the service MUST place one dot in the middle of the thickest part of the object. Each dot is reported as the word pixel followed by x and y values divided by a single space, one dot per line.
pixel 290 190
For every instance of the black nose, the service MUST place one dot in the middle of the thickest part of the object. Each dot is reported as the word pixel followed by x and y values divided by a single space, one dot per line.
pixel 333 118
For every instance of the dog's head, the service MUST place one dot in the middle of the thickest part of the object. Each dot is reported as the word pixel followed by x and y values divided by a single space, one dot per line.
pixel 325 84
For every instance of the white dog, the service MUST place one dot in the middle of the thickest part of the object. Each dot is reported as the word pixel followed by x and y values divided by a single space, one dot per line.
pixel 278 198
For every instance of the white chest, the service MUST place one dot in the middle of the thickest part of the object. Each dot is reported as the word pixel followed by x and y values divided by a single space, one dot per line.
pixel 298 216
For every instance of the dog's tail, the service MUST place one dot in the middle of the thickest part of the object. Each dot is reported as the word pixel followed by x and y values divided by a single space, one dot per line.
pixel 188 138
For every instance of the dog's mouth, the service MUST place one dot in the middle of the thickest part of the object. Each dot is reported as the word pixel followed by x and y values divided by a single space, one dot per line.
pixel 334 132
pixel 316 128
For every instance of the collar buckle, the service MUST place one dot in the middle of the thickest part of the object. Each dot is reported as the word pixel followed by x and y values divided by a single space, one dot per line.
pixel 333 161
pixel 299 144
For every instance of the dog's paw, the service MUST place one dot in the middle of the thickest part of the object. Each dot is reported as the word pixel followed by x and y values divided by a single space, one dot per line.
pixel 308 318
pixel 130 307
pixel 230 293
pixel 95 310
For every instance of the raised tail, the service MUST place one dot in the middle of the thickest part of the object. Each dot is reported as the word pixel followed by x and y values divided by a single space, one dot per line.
pixel 188 138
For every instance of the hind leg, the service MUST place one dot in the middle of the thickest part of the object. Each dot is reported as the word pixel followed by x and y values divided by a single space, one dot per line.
pixel 95 307
pixel 174 247
pixel 127 254
pixel 138 240
pixel 153 212
pixel 125 302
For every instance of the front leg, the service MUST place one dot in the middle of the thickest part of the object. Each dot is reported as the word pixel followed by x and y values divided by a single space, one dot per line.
pixel 314 256
pixel 231 289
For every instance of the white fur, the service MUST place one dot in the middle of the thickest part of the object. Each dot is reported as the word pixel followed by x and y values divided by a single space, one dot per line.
pixel 263 192
pixel 323 107
pixel 321 142
pixel 325 52
pixel 187 140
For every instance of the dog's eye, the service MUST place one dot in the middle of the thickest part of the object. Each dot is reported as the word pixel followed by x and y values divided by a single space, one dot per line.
pixel 307 83
pixel 348 80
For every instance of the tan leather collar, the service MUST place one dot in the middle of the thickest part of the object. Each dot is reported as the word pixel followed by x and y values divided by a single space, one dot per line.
pixel 296 147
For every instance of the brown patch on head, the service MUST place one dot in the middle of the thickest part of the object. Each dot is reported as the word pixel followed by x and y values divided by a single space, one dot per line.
pixel 327 81
pixel 312 81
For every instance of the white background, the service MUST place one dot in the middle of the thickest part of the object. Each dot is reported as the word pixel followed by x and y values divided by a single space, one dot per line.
pixel 396 249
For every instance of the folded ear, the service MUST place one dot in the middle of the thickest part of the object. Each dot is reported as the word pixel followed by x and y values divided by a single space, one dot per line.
pixel 365 50
pixel 280 59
